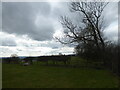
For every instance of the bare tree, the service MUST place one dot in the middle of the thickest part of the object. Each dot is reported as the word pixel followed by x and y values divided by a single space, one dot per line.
pixel 90 37
pixel 93 21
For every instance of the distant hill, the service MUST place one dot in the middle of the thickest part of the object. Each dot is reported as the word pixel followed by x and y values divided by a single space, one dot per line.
pixel 21 57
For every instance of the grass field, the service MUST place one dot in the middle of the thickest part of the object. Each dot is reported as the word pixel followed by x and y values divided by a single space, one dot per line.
pixel 40 76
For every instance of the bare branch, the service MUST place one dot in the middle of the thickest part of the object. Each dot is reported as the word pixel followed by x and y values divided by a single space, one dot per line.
pixel 92 32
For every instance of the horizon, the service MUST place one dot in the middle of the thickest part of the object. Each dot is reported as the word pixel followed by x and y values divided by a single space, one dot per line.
pixel 40 55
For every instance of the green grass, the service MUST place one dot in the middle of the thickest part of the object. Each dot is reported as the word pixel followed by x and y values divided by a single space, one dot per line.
pixel 0 75
pixel 39 76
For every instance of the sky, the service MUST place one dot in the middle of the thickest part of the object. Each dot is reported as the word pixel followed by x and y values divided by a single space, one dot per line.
pixel 29 28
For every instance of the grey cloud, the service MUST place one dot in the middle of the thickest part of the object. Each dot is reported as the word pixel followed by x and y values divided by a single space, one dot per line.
pixel 7 39
pixel 0 15
pixel 55 47
pixel 111 13
pixel 19 18
pixel 51 44
pixel 119 13
pixel 111 21
pixel 119 23
pixel 64 10
pixel 43 7
pixel 36 19
pixel 119 7
pixel 8 42
pixel 61 9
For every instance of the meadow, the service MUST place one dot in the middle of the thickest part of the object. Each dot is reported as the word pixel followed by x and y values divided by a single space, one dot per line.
pixel 42 76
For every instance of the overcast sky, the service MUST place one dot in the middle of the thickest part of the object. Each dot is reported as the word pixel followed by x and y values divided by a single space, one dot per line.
pixel 28 29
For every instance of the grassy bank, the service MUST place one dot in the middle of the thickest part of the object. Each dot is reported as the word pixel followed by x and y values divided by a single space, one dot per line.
pixel 36 76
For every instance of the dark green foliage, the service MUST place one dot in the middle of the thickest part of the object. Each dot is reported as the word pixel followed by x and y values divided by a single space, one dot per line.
pixel 12 60
pixel 6 60
pixel 57 58
pixel 109 56
pixel 88 51
pixel 15 60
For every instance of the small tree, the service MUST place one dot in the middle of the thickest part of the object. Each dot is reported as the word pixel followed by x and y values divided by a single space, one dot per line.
pixel 60 54
pixel 14 58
